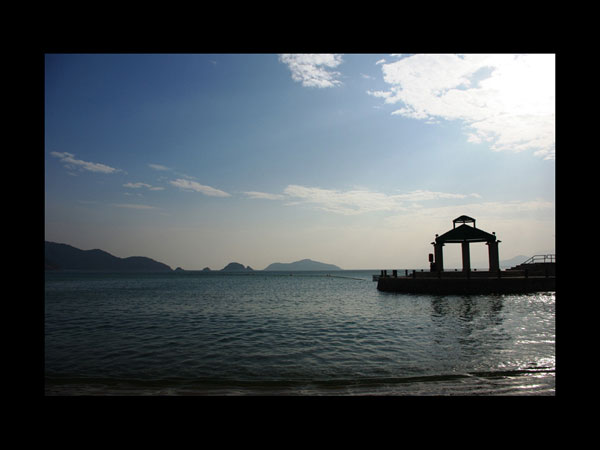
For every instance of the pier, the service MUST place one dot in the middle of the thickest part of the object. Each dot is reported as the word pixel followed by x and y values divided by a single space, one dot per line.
pixel 536 274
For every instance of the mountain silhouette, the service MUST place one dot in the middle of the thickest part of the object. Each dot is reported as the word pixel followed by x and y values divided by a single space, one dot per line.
pixel 66 257
pixel 236 267
pixel 305 264
pixel 507 263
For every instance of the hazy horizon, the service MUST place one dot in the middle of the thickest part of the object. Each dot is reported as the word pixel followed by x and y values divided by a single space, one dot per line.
pixel 482 266
pixel 356 160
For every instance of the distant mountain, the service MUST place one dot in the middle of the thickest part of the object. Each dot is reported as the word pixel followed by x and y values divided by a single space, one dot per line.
pixel 305 264
pixel 236 267
pixel 508 263
pixel 66 257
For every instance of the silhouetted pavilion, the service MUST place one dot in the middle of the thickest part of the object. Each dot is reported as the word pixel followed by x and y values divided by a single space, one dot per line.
pixel 465 234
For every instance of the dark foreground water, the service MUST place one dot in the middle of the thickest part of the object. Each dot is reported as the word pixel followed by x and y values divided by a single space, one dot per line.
pixel 272 333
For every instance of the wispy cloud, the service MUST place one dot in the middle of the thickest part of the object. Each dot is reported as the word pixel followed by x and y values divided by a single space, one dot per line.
pixel 70 162
pixel 313 70
pixel 491 212
pixel 356 201
pixel 143 185
pixel 423 195
pixel 263 195
pixel 507 100
pixel 158 167
pixel 341 202
pixel 189 185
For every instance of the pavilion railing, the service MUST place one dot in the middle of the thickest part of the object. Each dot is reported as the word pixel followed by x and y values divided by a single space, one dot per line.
pixel 541 259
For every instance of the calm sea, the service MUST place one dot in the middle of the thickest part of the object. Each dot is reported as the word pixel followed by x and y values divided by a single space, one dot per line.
pixel 281 333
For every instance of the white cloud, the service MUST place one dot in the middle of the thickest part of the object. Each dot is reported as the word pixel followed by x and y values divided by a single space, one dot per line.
pixel 492 211
pixel 349 202
pixel 355 201
pixel 197 187
pixel 421 195
pixel 145 185
pixel 158 167
pixel 507 100
pixel 313 70
pixel 68 159
pixel 263 195
pixel 361 201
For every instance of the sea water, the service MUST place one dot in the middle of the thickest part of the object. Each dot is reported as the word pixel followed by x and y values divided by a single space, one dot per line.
pixel 289 333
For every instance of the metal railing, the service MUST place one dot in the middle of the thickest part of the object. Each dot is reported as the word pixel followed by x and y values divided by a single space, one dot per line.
pixel 541 259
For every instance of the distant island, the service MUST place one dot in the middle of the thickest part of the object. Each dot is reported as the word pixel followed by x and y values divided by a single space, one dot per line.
pixel 236 267
pixel 66 257
pixel 508 263
pixel 305 264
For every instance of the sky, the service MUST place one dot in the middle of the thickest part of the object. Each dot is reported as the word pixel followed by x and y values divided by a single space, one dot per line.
pixel 357 160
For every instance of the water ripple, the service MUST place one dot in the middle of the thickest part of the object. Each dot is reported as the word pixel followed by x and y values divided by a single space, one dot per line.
pixel 301 330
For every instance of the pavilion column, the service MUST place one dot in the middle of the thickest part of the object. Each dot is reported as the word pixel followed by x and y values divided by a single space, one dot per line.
pixel 494 257
pixel 438 249
pixel 466 256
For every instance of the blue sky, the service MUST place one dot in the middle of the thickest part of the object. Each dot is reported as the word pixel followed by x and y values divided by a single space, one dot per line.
pixel 356 160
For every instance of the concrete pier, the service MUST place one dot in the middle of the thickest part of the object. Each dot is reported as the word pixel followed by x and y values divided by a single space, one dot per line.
pixel 536 274
pixel 474 284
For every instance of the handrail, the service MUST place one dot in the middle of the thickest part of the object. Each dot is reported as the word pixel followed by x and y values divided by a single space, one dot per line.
pixel 541 258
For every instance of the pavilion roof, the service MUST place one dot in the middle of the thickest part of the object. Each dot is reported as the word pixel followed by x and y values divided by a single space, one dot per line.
pixel 463 219
pixel 466 233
